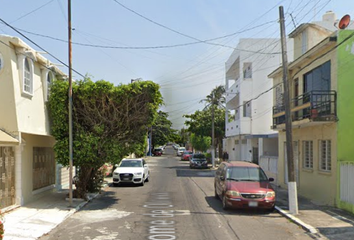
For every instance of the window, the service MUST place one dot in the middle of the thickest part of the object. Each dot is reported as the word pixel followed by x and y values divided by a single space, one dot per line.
pixel 325 155
pixel 247 70
pixel 307 147
pixel 247 109
pixel 279 95
pixel 27 77
pixel 1 62
pixel 318 78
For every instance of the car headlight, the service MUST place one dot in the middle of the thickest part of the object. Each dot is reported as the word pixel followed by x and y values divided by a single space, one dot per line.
pixel 115 174
pixel 232 193
pixel 270 194
pixel 139 173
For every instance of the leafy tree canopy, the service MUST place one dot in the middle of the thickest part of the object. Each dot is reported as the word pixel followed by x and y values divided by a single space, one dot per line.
pixel 109 122
pixel 161 129
pixel 200 143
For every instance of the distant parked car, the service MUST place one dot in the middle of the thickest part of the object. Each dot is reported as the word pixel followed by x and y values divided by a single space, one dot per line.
pixel 180 151
pixel 157 152
pixel 131 171
pixel 243 185
pixel 198 160
pixel 186 155
pixel 175 146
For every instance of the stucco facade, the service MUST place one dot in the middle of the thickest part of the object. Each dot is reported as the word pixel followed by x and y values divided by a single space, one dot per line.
pixel 248 115
pixel 321 92
pixel 25 78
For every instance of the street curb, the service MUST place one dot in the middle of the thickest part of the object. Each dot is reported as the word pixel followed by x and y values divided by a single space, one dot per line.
pixel 297 221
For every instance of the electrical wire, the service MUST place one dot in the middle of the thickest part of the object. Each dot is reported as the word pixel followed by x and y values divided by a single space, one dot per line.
pixel 41 47
pixel 25 15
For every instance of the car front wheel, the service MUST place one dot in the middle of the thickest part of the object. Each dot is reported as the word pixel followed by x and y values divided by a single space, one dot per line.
pixel 224 203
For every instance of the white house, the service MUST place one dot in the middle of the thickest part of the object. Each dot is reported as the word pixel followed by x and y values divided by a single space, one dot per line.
pixel 249 100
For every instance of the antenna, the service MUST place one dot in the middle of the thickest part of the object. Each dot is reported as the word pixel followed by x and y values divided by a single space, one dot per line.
pixel 344 22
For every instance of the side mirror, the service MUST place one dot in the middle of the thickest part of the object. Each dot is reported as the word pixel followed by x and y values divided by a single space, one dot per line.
pixel 145 165
pixel 116 165
pixel 271 179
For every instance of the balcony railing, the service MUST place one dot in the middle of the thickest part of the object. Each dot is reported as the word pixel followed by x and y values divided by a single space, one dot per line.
pixel 315 105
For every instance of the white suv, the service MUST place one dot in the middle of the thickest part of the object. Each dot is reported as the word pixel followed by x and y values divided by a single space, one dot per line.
pixel 131 171
pixel 180 151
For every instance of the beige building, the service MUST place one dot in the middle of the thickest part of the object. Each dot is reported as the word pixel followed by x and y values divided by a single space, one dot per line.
pixel 313 79
pixel 27 164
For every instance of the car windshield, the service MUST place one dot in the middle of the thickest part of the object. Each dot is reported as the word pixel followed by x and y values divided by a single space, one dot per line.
pixel 158 149
pixel 199 156
pixel 181 149
pixel 188 152
pixel 130 163
pixel 246 174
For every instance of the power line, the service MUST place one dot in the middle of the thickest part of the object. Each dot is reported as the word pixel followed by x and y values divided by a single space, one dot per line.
pixel 32 11
pixel 40 47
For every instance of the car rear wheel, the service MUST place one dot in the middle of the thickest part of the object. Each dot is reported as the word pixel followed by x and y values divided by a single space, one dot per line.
pixel 147 179
pixel 224 203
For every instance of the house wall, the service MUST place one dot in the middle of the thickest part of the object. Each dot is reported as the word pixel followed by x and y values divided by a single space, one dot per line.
pixel 29 142
pixel 314 36
pixel 8 119
pixel 345 111
pixel 31 109
pixel 314 184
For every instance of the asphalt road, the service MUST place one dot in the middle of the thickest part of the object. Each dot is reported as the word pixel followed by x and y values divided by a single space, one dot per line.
pixel 177 203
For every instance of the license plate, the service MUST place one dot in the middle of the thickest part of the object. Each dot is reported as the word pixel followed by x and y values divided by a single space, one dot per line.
pixel 125 178
pixel 252 204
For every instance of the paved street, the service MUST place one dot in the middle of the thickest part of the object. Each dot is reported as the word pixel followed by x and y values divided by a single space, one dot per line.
pixel 177 203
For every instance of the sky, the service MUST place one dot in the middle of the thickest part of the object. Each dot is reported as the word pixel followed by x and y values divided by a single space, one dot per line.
pixel 181 45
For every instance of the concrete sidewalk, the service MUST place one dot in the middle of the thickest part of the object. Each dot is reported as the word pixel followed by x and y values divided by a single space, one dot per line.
pixel 322 222
pixel 38 218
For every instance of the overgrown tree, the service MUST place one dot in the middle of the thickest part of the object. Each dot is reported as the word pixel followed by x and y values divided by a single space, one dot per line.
pixel 200 143
pixel 109 122
pixel 161 129
pixel 216 99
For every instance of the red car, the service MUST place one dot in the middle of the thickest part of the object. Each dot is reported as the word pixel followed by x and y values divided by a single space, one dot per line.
pixel 186 155
pixel 157 152
pixel 242 184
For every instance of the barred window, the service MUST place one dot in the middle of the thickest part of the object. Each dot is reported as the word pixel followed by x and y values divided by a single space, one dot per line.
pixel 307 147
pixel 325 155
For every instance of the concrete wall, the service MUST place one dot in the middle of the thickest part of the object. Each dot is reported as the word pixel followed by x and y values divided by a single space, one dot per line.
pixel 8 116
pixel 345 110
pixel 314 184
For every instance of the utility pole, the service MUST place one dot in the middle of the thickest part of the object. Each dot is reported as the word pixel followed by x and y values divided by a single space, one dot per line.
pixel 292 190
pixel 70 111
pixel 150 144
pixel 212 133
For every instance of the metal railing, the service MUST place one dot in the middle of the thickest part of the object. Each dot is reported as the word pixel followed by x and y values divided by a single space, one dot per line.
pixel 318 105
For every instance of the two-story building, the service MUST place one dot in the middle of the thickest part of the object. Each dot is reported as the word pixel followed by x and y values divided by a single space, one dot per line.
pixel 27 163
pixel 248 110
pixel 320 80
